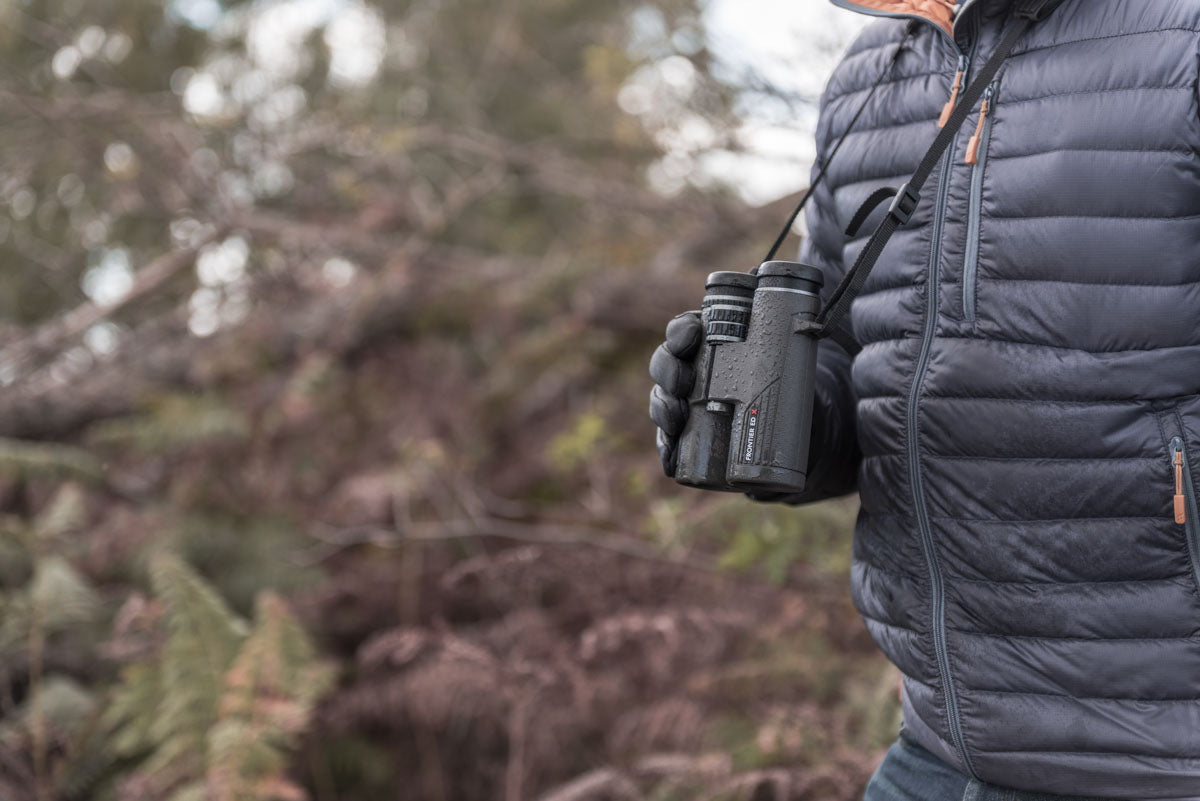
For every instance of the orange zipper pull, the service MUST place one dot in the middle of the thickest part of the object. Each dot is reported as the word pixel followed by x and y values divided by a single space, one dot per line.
pixel 973 145
pixel 948 109
pixel 1180 503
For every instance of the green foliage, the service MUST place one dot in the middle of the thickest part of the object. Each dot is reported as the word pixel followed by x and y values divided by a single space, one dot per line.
pixel 133 710
pixel 582 442
pixel 173 422
pixel 65 599
pixel 29 460
pixel 242 555
pixel 270 690
pixel 414 307
pixel 777 537
pixel 223 706
pixel 203 636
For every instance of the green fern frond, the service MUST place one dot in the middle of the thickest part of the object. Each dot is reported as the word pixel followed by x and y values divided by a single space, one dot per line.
pixel 16 614
pixel 25 459
pixel 242 764
pixel 62 596
pixel 173 422
pixel 133 710
pixel 63 702
pixel 82 756
pixel 276 677
pixel 270 690
pixel 203 636
pixel 65 513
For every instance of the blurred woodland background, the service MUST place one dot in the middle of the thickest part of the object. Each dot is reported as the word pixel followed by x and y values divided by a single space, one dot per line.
pixel 325 470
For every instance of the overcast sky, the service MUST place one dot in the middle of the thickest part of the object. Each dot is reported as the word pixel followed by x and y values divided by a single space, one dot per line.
pixel 794 44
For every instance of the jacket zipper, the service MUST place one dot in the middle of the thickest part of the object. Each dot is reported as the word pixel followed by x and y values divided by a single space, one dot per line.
pixel 914 462
pixel 937 584
pixel 977 152
pixel 1185 502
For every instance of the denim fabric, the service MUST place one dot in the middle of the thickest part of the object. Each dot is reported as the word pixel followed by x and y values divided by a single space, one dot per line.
pixel 910 773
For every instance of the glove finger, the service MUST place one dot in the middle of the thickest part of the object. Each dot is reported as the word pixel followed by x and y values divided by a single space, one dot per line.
pixel 668 412
pixel 674 375
pixel 668 453
pixel 684 335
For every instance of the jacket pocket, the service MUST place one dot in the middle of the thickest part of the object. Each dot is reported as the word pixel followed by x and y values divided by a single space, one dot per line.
pixel 977 151
pixel 1185 500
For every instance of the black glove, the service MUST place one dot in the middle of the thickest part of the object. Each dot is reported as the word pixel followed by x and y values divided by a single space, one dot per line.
pixel 673 372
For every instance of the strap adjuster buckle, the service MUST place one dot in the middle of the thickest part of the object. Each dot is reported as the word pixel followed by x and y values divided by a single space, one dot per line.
pixel 904 204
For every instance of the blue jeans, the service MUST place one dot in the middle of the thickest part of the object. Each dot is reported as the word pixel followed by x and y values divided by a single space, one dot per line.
pixel 911 773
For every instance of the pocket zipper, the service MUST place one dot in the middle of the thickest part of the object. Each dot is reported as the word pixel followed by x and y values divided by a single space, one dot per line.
pixel 1185 501
pixel 977 149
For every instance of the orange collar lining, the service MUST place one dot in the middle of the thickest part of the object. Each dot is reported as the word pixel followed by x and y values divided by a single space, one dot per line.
pixel 939 12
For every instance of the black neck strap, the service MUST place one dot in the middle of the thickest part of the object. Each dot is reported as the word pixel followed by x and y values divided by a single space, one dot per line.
pixel 905 199
pixel 812 186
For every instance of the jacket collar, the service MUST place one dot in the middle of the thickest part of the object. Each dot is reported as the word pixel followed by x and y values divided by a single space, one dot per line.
pixel 939 13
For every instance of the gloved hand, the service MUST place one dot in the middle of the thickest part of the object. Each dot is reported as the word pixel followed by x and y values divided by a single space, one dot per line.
pixel 673 372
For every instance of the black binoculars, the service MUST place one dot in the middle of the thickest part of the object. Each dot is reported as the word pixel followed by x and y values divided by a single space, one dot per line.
pixel 750 411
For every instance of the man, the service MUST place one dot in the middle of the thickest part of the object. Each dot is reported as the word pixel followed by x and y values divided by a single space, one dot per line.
pixel 1020 421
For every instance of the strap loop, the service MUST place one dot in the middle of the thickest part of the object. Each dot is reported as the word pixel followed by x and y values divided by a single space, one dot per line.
pixel 869 205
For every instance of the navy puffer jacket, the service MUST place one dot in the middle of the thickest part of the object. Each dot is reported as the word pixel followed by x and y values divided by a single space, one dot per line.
pixel 1026 408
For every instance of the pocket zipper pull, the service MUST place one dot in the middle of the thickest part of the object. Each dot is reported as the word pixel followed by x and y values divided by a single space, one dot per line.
pixel 948 109
pixel 1180 502
pixel 973 145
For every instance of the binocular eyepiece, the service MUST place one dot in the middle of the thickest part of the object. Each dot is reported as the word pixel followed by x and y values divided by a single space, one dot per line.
pixel 750 414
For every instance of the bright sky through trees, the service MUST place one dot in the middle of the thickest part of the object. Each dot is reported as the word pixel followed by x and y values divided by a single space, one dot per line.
pixel 791 45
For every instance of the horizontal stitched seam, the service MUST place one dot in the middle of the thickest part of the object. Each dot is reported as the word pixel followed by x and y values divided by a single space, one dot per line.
pixel 1044 519
pixel 1044 401
pixel 890 44
pixel 1182 577
pixel 1074 401
pixel 992 278
pixel 1187 638
pixel 1147 150
pixel 867 49
pixel 891 340
pixel 941 457
pixel 1009 101
pixel 927 120
pixel 1075 349
pixel 912 631
pixel 887 572
pixel 876 290
pixel 1083 697
pixel 882 179
pixel 1120 35
pixel 859 90
pixel 1020 521
pixel 994 217
pixel 1082 402
pixel 852 56
pixel 1046 345
pixel 893 125
pixel 1137 754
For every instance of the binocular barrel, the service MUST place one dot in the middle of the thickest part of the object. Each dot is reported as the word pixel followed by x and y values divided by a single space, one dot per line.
pixel 750 411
